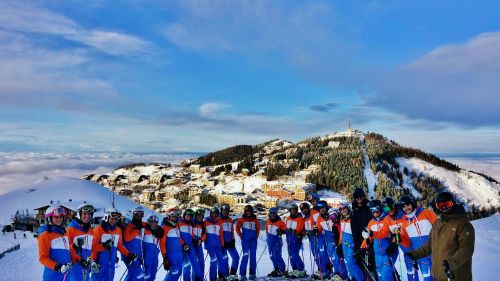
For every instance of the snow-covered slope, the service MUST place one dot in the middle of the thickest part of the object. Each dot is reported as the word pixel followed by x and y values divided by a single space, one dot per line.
pixel 59 189
pixel 468 186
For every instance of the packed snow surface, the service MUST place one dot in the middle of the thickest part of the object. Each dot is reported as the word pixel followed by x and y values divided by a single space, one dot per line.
pixel 59 189
pixel 470 187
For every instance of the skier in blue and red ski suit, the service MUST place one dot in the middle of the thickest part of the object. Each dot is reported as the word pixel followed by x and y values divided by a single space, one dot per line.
pixel 347 241
pixel 248 230
pixel 275 228
pixel 229 242
pixel 132 240
pixel 417 223
pixel 294 235
pixel 328 226
pixel 213 244
pixel 107 240
pixel 378 236
pixel 171 246
pixel 53 246
pixel 199 235
pixel 320 236
pixel 309 224
pixel 189 257
pixel 151 247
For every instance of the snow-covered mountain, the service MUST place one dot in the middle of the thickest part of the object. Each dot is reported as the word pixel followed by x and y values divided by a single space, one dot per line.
pixel 60 189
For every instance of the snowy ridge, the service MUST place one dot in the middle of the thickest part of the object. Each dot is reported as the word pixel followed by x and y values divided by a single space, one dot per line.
pixel 59 189
pixel 371 180
pixel 470 187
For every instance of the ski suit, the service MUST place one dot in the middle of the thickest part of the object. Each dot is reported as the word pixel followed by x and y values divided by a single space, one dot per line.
pixel 309 224
pixel 331 233
pixel 151 248
pixel 213 244
pixel 106 258
pixel 53 249
pixel 199 235
pixel 77 230
pixel 294 235
pixel 347 241
pixel 171 247
pixel 132 240
pixel 323 259
pixel 379 241
pixel 275 242
pixel 403 241
pixel 418 225
pixel 229 244
pixel 248 229
pixel 189 258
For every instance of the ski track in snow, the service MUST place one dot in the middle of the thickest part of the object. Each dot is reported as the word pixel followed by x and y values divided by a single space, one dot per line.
pixel 23 265
pixel 371 180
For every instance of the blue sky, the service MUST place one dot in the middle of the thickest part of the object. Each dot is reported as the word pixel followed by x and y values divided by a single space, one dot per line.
pixel 167 76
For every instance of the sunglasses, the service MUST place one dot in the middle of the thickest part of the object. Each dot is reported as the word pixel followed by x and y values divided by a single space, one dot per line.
pixel 444 205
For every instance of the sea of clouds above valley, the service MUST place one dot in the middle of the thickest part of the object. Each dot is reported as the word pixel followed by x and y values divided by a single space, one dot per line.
pixel 18 169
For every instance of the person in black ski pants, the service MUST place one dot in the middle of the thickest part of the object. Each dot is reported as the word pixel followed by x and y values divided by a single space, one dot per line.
pixel 360 218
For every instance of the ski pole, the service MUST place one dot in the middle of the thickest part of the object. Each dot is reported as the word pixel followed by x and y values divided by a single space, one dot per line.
pixel 396 275
pixel 369 274
pixel 261 255
pixel 319 259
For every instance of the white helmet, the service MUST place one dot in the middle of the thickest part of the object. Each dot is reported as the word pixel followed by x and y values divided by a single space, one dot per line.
pixel 54 211
pixel 112 212
pixel 85 207
pixel 153 218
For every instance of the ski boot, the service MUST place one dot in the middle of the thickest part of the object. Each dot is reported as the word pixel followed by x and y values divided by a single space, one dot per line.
pixel 273 273
pixel 299 274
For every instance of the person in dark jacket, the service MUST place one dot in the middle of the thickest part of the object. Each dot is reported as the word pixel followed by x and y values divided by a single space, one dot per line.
pixel 451 242
pixel 360 216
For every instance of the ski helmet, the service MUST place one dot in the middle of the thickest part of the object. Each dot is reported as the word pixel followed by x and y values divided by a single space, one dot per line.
pixel 225 207
pixel 388 204
pixel 358 193
pixel 54 211
pixel 333 214
pixel 112 213
pixel 188 212
pixel 214 210
pixel 85 208
pixel 273 210
pixel 407 200
pixel 313 196
pixel 444 201
pixel 153 218
pixel 249 208
pixel 138 210
pixel 345 205
pixel 305 205
pixel 201 212
pixel 293 206
pixel 375 205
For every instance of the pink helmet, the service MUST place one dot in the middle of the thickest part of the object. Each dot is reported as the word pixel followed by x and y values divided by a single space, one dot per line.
pixel 54 211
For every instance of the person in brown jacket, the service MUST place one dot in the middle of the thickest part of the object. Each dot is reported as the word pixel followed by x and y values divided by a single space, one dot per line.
pixel 451 242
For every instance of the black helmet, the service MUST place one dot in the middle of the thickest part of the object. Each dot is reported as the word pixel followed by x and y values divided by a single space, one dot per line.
pixel 358 193
pixel 375 205
pixel 188 212
pixel 214 210
pixel 407 199
pixel 445 196
pixel 200 211
pixel 225 207
pixel 305 205
pixel 294 206
pixel 248 208
pixel 322 204
pixel 389 204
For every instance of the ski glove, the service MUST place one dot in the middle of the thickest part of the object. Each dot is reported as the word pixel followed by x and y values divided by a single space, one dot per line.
pixel 63 268
pixel 314 231
pixel 131 258
pixel 367 233
pixel 392 249
pixel 158 232
pixel 85 263
pixel 108 244
pixel 186 248
pixel 279 231
pixel 230 244
pixel 359 254
pixel 197 242
pixel 166 263
pixel 94 267
pixel 447 270
pixel 410 256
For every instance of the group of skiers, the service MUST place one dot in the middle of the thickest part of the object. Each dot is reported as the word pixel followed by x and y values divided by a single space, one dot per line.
pixel 358 242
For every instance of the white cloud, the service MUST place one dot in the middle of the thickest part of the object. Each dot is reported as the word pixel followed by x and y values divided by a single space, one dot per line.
pixel 210 108
pixel 26 17
pixel 454 83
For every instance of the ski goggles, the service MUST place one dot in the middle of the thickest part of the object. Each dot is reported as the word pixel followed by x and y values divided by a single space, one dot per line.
pixel 56 212
pixel 115 216
pixel 444 205
pixel 154 218
pixel 87 209
pixel 375 210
